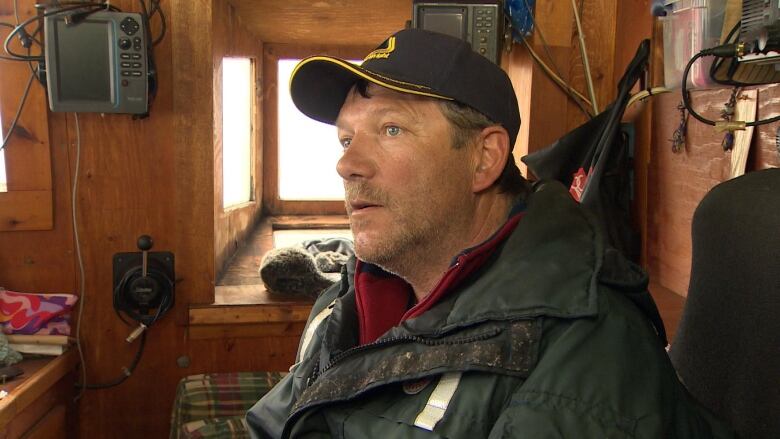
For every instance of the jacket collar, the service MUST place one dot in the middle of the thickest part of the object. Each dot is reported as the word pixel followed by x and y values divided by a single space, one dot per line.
pixel 548 267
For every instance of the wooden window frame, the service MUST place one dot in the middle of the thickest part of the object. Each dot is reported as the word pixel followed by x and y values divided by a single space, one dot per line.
pixel 28 204
pixel 272 53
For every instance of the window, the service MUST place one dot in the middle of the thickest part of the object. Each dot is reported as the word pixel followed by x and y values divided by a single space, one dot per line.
pixel 308 150
pixel 299 154
pixel 237 114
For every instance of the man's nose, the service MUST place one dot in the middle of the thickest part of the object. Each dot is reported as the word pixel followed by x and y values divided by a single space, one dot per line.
pixel 357 162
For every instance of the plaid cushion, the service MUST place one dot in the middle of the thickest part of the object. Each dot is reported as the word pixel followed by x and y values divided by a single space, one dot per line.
pixel 232 427
pixel 214 404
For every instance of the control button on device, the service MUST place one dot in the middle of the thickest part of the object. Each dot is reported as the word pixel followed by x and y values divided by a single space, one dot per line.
pixel 125 73
pixel 136 65
pixel 129 26
pixel 136 55
pixel 125 64
pixel 124 43
pixel 125 83
pixel 135 73
pixel 124 55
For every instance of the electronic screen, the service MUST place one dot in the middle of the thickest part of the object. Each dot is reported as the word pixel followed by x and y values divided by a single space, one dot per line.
pixel 74 81
pixel 478 22
pixel 449 21
pixel 96 63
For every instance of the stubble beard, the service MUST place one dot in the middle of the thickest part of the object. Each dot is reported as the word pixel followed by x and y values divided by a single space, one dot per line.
pixel 412 237
pixel 402 246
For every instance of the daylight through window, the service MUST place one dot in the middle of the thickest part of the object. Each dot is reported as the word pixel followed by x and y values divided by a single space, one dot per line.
pixel 237 97
pixel 308 150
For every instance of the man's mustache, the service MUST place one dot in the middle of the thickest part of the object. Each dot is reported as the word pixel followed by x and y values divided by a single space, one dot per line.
pixel 365 193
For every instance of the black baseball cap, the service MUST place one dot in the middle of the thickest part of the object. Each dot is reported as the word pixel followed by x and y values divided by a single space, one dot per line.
pixel 412 61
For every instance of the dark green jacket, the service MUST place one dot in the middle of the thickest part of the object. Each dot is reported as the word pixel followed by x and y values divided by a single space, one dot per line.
pixel 548 345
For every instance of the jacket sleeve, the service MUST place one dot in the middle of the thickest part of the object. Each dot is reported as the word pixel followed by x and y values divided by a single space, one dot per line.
pixel 546 416
pixel 532 421
pixel 267 418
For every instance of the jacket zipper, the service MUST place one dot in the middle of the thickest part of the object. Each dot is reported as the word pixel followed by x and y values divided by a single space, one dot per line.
pixel 316 372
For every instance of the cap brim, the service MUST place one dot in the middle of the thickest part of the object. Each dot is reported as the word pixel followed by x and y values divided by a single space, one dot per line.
pixel 320 84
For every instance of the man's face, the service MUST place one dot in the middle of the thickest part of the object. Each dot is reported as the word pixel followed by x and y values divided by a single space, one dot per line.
pixel 407 188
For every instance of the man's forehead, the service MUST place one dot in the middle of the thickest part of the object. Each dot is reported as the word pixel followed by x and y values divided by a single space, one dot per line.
pixel 387 101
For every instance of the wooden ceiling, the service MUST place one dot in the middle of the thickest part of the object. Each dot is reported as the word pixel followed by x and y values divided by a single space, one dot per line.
pixel 323 22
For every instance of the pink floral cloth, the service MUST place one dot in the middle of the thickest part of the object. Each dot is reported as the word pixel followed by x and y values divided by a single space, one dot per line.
pixel 29 313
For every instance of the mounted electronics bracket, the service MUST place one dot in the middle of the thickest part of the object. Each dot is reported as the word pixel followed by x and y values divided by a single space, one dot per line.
pixel 143 285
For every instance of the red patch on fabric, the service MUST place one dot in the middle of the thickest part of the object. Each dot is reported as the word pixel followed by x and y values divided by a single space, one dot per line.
pixel 579 179
pixel 382 299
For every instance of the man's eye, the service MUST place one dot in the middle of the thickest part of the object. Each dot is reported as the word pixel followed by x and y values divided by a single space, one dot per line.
pixel 345 142
pixel 392 131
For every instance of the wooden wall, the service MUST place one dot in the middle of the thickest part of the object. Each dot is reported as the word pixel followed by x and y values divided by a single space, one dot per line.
pixel 153 176
pixel 546 112
pixel 678 181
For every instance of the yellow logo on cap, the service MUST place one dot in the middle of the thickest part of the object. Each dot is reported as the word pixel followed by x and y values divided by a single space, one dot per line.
pixel 382 53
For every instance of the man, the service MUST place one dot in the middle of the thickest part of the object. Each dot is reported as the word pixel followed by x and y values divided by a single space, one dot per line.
pixel 474 308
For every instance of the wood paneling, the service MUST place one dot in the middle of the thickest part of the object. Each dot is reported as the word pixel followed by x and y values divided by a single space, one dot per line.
pixel 242 314
pixel 547 112
pixel 678 181
pixel 192 115
pixel 325 22
pixel 29 203
pixel 26 210
pixel 45 386
pixel 232 225
pixel 23 264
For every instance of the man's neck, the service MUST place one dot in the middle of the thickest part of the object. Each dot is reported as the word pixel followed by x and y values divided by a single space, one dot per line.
pixel 425 269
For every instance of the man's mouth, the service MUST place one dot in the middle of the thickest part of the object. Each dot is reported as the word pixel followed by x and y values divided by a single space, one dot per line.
pixel 358 205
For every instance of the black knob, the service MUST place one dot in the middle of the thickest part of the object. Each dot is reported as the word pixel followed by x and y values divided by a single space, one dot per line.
pixel 125 43
pixel 145 243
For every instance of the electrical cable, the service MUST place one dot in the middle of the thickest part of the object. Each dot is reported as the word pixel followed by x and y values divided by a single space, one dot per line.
pixel 79 260
pixel 30 42
pixel 556 77
pixel 157 10
pixel 88 7
pixel 126 371
pixel 6 57
pixel 573 94
pixel 717 63
pixel 723 51
pixel 585 62
pixel 120 301
pixel 18 111
pixel 644 94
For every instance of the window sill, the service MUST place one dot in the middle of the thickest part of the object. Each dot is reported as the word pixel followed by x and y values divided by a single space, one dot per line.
pixel 242 307
pixel 248 311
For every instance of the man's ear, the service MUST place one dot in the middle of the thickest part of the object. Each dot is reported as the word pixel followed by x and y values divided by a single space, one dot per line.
pixel 492 154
